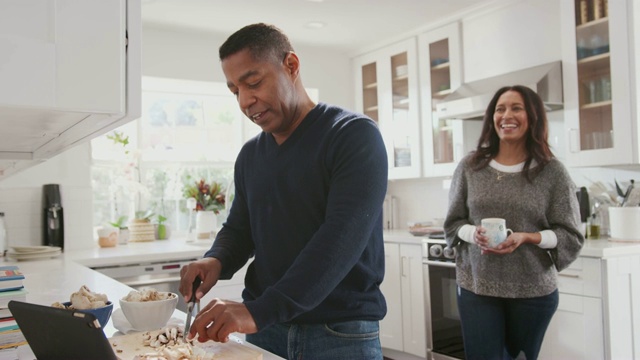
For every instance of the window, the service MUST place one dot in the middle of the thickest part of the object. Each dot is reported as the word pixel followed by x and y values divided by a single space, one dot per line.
pixel 188 130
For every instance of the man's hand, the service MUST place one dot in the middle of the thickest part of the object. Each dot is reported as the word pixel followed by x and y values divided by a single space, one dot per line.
pixel 208 269
pixel 219 319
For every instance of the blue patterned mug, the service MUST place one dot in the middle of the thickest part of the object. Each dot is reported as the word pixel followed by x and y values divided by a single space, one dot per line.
pixel 496 230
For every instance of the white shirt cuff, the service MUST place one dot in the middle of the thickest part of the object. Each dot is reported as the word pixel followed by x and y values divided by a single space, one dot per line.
pixel 548 239
pixel 466 233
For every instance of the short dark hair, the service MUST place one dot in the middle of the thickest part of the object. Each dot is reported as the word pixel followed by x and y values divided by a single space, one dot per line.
pixel 537 144
pixel 264 41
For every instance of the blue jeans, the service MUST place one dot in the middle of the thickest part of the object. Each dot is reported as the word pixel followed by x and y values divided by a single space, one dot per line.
pixel 348 340
pixel 504 328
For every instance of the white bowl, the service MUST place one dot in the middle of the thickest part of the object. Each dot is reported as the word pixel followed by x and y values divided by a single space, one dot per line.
pixel 149 315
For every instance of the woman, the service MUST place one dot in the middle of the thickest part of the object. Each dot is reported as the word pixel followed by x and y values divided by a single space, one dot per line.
pixel 508 294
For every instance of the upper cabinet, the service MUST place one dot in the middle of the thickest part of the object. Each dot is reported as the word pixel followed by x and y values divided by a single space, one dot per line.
pixel 440 61
pixel 599 112
pixel 70 72
pixel 387 91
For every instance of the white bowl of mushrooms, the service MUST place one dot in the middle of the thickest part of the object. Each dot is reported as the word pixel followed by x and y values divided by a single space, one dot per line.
pixel 148 309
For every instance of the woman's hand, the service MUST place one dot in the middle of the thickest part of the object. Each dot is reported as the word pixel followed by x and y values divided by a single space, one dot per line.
pixel 508 246
pixel 480 239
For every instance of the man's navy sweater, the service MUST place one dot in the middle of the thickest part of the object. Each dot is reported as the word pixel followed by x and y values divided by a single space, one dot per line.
pixel 310 212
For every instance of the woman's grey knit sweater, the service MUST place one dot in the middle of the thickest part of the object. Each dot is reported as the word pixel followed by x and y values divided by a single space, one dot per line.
pixel 548 202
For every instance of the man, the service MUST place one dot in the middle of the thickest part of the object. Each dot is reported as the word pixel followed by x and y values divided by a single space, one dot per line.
pixel 308 208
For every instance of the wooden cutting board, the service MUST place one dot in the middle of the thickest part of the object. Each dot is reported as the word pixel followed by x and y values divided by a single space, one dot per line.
pixel 128 346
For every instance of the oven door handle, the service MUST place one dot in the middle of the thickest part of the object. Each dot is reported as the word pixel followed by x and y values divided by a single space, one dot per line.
pixel 147 282
pixel 439 263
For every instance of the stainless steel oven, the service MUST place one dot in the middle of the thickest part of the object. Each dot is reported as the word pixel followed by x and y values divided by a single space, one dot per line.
pixel 444 332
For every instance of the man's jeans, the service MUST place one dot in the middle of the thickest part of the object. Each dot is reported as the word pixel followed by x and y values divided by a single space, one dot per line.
pixel 348 340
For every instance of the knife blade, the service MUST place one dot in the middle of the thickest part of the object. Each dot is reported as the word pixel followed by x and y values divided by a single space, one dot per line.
pixel 190 306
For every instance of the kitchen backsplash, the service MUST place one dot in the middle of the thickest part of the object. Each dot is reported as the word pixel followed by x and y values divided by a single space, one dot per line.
pixel 419 200
pixel 23 215
pixel 21 200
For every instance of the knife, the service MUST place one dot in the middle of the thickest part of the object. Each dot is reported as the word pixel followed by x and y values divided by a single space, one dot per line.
pixel 190 306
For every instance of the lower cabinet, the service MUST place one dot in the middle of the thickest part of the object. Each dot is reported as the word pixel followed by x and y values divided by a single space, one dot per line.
pixel 577 328
pixel 403 328
pixel 597 317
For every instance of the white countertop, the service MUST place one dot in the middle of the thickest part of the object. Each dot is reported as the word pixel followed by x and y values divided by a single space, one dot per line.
pixel 48 281
pixel 599 248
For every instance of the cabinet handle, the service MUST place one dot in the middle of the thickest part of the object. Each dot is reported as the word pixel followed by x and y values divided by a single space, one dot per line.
pixel 573 276
pixel 403 260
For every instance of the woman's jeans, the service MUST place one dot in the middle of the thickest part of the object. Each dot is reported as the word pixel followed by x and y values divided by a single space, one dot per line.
pixel 503 328
pixel 348 340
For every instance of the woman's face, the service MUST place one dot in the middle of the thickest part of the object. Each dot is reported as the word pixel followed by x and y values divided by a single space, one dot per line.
pixel 510 118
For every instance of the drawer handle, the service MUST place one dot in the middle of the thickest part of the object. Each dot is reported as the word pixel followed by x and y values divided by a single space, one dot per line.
pixel 573 276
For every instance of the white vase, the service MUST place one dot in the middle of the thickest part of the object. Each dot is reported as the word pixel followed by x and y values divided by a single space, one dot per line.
pixel 206 224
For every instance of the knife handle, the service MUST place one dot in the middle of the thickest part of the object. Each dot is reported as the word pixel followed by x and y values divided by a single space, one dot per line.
pixel 194 287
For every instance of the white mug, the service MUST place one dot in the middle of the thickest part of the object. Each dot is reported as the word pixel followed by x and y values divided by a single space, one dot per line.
pixel 496 230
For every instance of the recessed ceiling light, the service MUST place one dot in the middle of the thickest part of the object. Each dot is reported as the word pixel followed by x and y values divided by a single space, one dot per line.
pixel 315 24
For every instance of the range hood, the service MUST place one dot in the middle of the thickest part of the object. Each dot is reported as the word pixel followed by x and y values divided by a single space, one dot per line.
pixel 470 100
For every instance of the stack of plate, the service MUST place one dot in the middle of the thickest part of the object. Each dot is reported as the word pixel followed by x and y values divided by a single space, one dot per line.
pixel 33 252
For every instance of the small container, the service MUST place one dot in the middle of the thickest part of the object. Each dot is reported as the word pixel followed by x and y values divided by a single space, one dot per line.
pixel 594 227
pixel 3 235
pixel 107 237
pixel 624 223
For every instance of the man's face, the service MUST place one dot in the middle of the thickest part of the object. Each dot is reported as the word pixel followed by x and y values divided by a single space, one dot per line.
pixel 265 90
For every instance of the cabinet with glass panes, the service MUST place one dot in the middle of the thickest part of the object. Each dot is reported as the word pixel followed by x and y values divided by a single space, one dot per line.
pixel 387 91
pixel 596 73
pixel 440 61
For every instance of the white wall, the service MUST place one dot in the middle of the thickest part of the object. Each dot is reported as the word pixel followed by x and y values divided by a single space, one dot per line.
pixel 511 38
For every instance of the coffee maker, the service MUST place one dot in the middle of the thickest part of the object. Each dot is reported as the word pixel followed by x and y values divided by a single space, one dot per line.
pixel 52 216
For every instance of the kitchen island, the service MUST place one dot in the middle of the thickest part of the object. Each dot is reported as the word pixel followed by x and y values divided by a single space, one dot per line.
pixel 48 281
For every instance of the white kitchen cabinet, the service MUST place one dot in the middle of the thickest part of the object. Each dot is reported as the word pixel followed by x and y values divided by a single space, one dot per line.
pixel 404 326
pixel 597 317
pixel 391 325
pixel 622 318
pixel 387 91
pixel 440 69
pixel 576 329
pixel 70 71
pixel 598 73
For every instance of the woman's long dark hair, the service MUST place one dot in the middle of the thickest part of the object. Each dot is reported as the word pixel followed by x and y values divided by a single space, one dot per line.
pixel 537 145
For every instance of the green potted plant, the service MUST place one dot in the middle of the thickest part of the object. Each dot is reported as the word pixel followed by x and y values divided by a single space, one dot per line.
pixel 162 230
pixel 123 230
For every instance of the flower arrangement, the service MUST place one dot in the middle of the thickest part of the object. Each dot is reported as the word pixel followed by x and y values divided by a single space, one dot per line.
pixel 209 196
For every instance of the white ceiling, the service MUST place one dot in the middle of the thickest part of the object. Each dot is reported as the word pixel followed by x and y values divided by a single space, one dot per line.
pixel 350 24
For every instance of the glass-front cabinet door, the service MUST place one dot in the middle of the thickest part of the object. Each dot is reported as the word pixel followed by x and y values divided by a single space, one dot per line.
pixel 387 91
pixel 440 62
pixel 596 76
